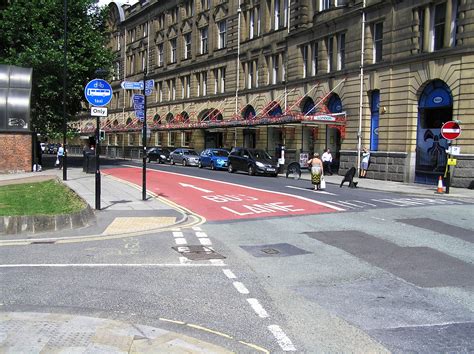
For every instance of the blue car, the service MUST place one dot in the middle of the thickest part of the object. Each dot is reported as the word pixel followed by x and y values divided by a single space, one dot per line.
pixel 214 158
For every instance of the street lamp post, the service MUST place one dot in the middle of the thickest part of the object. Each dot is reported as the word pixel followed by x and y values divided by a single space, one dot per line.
pixel 144 134
pixel 64 92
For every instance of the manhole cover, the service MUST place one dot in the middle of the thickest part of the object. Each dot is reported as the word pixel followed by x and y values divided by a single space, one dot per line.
pixel 198 253
pixel 270 251
pixel 274 250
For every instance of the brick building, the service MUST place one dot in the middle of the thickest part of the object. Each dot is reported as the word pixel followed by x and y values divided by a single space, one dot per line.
pixel 292 76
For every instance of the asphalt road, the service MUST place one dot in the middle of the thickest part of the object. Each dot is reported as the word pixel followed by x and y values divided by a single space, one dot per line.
pixel 377 276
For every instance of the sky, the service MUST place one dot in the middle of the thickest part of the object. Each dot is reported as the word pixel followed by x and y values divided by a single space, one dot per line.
pixel 105 2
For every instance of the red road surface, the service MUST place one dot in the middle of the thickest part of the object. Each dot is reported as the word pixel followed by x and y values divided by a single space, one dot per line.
pixel 216 200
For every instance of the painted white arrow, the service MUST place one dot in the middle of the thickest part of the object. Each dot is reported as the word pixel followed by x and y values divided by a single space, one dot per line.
pixel 199 189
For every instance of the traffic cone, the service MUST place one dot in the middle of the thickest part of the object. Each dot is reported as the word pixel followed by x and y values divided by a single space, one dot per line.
pixel 440 185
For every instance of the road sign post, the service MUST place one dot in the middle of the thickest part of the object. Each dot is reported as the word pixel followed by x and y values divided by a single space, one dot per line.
pixel 450 131
pixel 98 93
pixel 144 136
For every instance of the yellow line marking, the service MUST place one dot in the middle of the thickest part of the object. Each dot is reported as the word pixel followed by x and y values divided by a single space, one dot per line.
pixel 209 330
pixel 263 350
pixel 172 321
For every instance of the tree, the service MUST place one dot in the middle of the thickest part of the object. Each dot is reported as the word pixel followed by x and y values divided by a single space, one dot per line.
pixel 32 35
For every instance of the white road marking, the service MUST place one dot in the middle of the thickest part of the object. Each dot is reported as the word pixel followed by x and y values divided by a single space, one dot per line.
pixel 259 310
pixel 110 265
pixel 307 189
pixel 177 234
pixel 201 234
pixel 252 188
pixel 184 260
pixel 229 274
pixel 205 241
pixel 341 204
pixel 199 189
pixel 362 202
pixel 180 241
pixel 197 228
pixel 240 287
pixel 175 229
pixel 283 341
pixel 217 262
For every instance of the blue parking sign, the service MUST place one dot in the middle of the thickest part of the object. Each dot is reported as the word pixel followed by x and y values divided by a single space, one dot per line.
pixel 98 92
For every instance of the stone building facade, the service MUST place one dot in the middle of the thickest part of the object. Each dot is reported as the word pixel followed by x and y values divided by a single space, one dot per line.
pixel 264 73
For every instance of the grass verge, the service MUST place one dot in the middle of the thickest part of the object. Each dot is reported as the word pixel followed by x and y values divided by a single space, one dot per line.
pixel 40 198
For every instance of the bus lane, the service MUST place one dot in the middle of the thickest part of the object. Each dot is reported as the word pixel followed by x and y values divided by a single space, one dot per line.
pixel 217 200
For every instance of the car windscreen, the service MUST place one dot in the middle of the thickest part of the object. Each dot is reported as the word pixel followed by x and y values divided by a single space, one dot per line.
pixel 189 152
pixel 222 153
pixel 260 154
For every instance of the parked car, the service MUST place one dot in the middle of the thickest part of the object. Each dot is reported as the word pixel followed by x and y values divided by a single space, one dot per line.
pixel 186 157
pixel 214 158
pixel 254 161
pixel 161 155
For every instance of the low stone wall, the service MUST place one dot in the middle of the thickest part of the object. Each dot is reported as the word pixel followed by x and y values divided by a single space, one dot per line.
pixel 463 172
pixel 387 166
pixel 11 225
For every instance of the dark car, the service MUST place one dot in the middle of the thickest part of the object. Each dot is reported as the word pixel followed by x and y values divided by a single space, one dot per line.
pixel 214 158
pixel 253 161
pixel 186 157
pixel 161 155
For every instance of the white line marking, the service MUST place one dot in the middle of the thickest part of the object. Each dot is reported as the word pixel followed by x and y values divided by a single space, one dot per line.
pixel 229 274
pixel 111 265
pixel 240 287
pixel 197 228
pixel 362 202
pixel 175 229
pixel 177 234
pixel 312 190
pixel 180 241
pixel 338 203
pixel 191 186
pixel 259 310
pixel 201 234
pixel 283 341
pixel 217 261
pixel 205 241
pixel 343 202
pixel 247 187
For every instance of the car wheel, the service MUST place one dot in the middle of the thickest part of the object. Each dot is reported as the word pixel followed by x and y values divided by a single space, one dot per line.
pixel 200 164
pixel 212 166
pixel 172 161
pixel 184 162
pixel 251 171
pixel 230 168
pixel 275 175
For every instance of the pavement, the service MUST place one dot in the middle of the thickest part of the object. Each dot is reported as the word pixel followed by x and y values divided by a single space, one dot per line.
pixel 120 203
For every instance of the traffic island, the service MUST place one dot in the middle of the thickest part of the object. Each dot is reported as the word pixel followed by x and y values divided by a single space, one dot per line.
pixel 27 222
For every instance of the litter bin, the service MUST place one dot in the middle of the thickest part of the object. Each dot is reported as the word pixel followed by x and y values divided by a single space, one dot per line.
pixel 88 165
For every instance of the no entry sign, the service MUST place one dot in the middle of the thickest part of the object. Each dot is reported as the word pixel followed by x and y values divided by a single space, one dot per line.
pixel 450 130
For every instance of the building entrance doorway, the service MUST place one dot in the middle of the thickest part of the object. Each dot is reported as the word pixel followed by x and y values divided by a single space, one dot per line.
pixel 434 109
pixel 250 138
pixel 213 139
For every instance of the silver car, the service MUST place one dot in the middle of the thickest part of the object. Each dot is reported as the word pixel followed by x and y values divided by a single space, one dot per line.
pixel 186 157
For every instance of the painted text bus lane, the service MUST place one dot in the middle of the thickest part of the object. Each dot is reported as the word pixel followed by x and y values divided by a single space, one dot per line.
pixel 216 200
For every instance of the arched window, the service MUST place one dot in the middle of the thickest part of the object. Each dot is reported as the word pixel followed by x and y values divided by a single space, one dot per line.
pixel 307 106
pixel 248 112
pixel 334 104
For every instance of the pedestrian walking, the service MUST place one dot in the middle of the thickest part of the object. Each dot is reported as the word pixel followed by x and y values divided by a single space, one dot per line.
pixel 327 161
pixel 316 170
pixel 364 164
pixel 60 156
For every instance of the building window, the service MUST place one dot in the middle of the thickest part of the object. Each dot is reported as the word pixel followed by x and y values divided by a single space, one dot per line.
pixel 324 5
pixel 421 30
pixel 144 56
pixel 341 51
pixel 173 89
pixel 132 64
pixel 304 54
pixel 159 92
pixel 203 37
pixel 145 30
pixel 204 83
pixel 314 59
pixel 173 50
pixel 277 14
pixel 275 69
pixel 205 4
pixel 222 25
pixel 378 41
pixel 222 80
pixel 330 48
pixel 118 41
pixel 439 23
pixel 171 138
pixel 186 138
pixel 285 13
pixel 117 71
pixel 160 54
pixel 216 80
pixel 187 46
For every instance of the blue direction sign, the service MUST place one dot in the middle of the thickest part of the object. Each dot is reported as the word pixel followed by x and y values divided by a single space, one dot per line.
pixel 139 106
pixel 132 85
pixel 98 92
pixel 149 86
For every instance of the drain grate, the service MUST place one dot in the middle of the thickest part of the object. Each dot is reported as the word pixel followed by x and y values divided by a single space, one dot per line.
pixel 198 253
pixel 274 250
